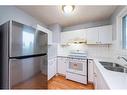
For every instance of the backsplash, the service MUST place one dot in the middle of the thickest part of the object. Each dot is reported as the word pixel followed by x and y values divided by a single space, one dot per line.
pixel 93 50
pixel 115 50
pixel 98 51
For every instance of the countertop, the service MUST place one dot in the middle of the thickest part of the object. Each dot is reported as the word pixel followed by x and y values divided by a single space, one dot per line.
pixel 114 80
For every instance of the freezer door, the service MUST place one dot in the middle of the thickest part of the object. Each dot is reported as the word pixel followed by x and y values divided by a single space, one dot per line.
pixel 25 40
pixel 27 69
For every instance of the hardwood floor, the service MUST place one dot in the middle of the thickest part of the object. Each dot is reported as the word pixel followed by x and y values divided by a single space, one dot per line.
pixel 59 82
pixel 56 83
pixel 38 81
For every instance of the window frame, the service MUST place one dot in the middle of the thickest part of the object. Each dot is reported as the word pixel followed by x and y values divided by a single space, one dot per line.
pixel 119 29
pixel 124 31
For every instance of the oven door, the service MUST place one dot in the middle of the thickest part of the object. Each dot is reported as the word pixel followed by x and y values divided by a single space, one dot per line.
pixel 77 66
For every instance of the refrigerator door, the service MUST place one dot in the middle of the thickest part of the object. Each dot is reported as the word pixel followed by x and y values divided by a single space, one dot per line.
pixel 4 66
pixel 25 69
pixel 25 40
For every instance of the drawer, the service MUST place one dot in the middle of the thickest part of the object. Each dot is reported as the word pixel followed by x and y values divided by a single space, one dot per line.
pixel 76 77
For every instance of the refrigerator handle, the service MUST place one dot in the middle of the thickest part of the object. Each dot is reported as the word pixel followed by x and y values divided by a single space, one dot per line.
pixel 28 56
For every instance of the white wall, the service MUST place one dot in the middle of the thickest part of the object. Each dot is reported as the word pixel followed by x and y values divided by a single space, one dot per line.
pixel 113 21
pixel 56 29
pixel 116 48
pixel 87 25
pixel 13 13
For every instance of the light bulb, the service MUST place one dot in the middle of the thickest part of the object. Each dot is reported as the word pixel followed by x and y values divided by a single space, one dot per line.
pixel 68 8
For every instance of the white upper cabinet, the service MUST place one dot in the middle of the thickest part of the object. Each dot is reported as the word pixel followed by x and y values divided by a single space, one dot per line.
pixel 95 35
pixel 92 35
pixel 105 34
pixel 45 30
pixel 71 36
pixel 99 35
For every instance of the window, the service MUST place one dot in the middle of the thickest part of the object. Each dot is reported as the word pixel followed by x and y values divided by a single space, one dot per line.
pixel 124 32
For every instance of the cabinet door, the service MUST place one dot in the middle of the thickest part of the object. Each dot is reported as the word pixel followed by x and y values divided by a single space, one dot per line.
pixel 55 64
pixel 105 34
pixel 70 36
pixel 99 81
pixel 90 71
pixel 95 77
pixel 65 37
pixel 51 68
pixel 62 65
pixel 92 35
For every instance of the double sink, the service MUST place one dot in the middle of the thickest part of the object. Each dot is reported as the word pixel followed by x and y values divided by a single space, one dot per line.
pixel 113 66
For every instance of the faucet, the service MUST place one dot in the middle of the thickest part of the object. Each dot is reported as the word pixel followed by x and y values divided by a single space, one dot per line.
pixel 122 58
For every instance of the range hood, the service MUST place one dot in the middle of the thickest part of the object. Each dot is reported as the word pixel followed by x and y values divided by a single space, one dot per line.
pixel 77 41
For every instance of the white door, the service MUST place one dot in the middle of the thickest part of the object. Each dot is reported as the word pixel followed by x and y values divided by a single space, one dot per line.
pixel 105 34
pixel 62 65
pixel 92 35
pixel 51 68
pixel 95 77
pixel 69 36
pixel 90 71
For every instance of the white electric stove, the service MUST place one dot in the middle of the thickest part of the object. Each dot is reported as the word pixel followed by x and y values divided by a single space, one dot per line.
pixel 77 67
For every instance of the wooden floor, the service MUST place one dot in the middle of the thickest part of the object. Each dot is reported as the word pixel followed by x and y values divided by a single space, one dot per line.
pixel 38 81
pixel 59 82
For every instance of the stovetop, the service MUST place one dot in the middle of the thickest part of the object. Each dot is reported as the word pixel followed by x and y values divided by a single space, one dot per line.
pixel 78 55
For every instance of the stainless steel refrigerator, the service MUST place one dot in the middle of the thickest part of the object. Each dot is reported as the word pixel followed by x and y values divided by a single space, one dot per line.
pixel 23 52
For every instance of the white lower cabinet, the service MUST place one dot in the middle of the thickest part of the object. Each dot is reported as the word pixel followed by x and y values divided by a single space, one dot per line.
pixel 90 71
pixel 62 65
pixel 99 82
pixel 52 68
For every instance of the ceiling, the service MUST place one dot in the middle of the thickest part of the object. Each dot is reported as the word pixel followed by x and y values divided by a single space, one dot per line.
pixel 82 14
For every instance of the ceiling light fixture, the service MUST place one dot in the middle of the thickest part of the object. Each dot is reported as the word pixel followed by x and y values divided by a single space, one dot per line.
pixel 68 8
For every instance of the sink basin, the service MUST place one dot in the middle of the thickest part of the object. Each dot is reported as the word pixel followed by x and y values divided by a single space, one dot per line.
pixel 113 66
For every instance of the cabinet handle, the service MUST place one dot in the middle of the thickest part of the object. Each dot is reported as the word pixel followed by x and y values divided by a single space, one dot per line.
pixel 95 75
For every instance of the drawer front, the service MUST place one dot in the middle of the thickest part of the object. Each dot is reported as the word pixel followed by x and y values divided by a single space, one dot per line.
pixel 76 77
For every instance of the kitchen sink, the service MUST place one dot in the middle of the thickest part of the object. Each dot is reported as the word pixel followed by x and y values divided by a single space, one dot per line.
pixel 113 66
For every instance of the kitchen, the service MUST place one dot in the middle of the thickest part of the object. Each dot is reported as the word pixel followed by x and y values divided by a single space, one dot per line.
pixel 84 51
